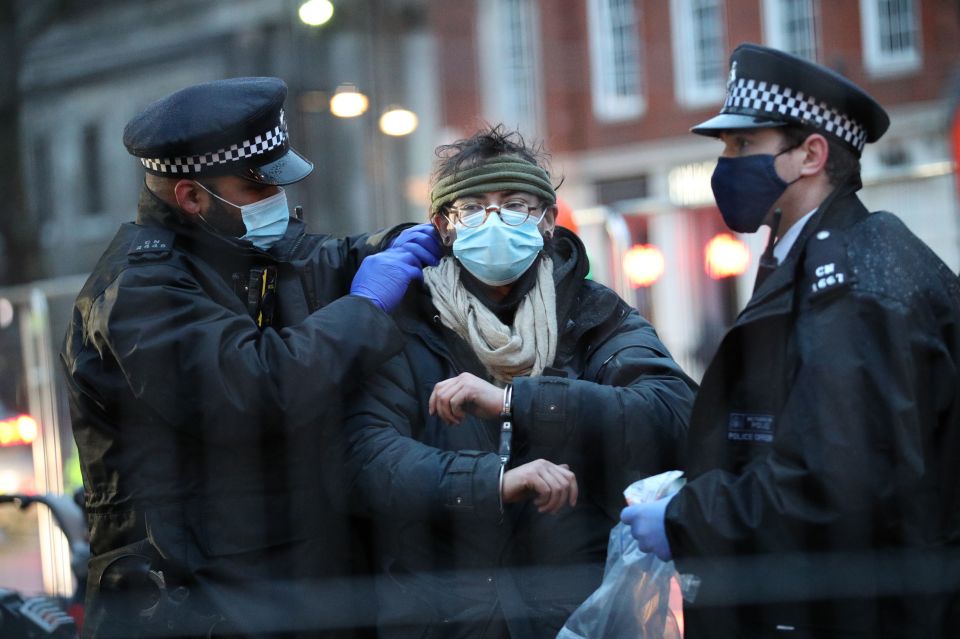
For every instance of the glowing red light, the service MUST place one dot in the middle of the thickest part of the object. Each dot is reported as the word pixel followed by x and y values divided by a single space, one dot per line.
pixel 17 431
pixel 643 264
pixel 726 256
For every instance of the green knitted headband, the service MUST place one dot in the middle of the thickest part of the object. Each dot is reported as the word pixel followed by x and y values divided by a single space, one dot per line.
pixel 497 174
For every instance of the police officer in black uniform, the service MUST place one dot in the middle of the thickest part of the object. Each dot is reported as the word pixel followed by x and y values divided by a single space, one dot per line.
pixel 824 492
pixel 206 361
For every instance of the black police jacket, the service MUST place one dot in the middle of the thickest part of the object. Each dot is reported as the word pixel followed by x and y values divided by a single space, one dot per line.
pixel 205 396
pixel 823 446
pixel 614 406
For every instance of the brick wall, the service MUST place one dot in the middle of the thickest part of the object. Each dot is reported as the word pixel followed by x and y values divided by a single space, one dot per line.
pixel 570 125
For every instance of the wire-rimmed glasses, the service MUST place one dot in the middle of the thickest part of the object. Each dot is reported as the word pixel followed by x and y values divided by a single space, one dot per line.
pixel 511 212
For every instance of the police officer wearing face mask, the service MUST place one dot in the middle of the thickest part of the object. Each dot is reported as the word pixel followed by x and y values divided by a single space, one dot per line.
pixel 824 494
pixel 206 362
pixel 492 453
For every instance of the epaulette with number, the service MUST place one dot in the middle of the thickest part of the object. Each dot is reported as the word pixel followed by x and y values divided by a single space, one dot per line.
pixel 151 243
pixel 826 265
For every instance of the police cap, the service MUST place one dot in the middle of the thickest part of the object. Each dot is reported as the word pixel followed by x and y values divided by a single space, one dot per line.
pixel 226 127
pixel 769 88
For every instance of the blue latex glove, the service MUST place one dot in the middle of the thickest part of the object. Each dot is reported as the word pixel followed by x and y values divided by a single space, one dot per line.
pixel 422 240
pixel 383 278
pixel 646 526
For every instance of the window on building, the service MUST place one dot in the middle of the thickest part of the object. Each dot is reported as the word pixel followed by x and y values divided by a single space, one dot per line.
pixel 698 51
pixel 615 59
pixel 622 189
pixel 508 44
pixel 891 36
pixel 92 170
pixel 791 26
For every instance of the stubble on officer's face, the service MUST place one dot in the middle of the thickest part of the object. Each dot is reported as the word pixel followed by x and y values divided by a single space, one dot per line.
pixel 224 218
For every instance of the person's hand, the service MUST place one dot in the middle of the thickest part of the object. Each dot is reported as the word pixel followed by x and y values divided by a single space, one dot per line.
pixel 646 526
pixel 422 240
pixel 383 278
pixel 453 398
pixel 551 485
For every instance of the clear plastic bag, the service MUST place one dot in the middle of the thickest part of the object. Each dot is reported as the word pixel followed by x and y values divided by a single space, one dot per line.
pixel 640 595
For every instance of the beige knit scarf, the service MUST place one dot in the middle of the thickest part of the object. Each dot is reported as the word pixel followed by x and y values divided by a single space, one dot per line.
pixel 525 348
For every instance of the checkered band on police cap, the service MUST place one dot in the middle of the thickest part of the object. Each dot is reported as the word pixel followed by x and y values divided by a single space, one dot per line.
pixel 258 145
pixel 752 97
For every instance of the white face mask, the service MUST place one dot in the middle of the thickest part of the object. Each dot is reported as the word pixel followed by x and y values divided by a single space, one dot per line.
pixel 265 220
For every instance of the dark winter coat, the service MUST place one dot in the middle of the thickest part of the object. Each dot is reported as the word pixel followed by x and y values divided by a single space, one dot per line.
pixel 209 436
pixel 824 444
pixel 613 406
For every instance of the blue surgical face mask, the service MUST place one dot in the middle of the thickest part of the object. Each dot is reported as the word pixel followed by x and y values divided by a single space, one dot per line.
pixel 746 188
pixel 265 220
pixel 495 253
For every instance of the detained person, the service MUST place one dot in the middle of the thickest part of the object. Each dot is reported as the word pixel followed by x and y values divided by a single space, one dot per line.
pixel 493 451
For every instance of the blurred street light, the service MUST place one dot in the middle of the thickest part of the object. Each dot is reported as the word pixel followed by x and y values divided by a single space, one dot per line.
pixel 316 12
pixel 397 121
pixel 347 102
pixel 726 256
pixel 18 430
pixel 643 264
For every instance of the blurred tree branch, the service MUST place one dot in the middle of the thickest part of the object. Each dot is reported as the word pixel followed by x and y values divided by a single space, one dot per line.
pixel 21 22
pixel 19 247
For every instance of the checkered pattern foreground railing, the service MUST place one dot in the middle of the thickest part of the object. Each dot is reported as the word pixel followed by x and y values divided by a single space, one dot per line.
pixel 196 163
pixel 753 97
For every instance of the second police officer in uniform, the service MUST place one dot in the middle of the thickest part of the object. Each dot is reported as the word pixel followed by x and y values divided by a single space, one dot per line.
pixel 206 359
pixel 824 492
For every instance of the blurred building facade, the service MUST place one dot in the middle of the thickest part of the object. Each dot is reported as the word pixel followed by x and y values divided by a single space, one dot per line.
pixel 612 87
pixel 93 65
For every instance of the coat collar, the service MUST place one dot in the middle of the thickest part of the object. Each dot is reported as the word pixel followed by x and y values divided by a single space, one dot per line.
pixel 579 307
pixel 840 210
